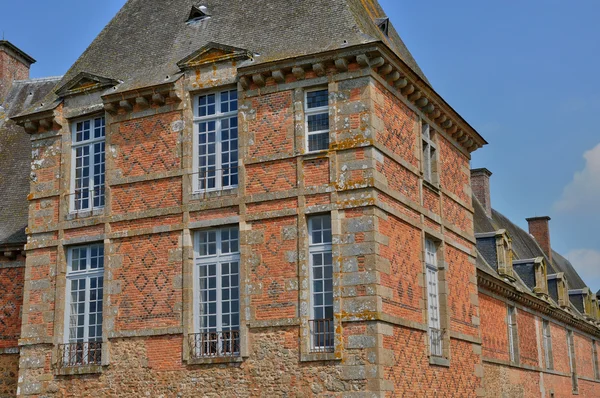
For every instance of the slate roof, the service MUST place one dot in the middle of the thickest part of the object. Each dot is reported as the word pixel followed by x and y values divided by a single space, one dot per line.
pixel 143 43
pixel 15 158
pixel 564 265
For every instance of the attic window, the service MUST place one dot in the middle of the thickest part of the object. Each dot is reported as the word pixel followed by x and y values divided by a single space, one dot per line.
pixel 384 25
pixel 197 14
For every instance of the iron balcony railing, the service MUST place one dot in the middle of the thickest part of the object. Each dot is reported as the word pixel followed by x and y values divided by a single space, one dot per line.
pixel 322 335
pixel 80 354
pixel 215 344
pixel 215 180
pixel 435 342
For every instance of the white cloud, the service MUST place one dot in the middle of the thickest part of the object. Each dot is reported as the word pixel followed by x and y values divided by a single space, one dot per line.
pixel 587 264
pixel 583 192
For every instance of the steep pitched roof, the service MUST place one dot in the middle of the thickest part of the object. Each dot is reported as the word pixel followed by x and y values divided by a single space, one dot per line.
pixel 143 43
pixel 564 265
pixel 15 158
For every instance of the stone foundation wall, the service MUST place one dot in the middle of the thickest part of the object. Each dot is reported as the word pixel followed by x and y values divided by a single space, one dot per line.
pixel 9 372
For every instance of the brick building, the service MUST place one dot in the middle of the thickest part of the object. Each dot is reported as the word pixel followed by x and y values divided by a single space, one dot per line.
pixel 225 205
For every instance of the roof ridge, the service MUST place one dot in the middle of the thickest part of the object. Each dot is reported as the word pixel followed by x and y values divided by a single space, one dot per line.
pixel 40 79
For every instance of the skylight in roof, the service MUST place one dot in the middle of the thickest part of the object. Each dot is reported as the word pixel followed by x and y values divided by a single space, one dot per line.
pixel 197 14
pixel 384 25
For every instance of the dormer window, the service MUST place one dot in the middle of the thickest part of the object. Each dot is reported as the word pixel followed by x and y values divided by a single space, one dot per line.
pixel 197 14
pixel 384 25
pixel 541 277
pixel 563 292
pixel 504 253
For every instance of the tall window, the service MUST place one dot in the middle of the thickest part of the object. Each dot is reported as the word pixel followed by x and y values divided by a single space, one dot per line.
pixel 317 120
pixel 321 283
pixel 433 298
pixel 429 154
pixel 595 360
pixel 217 304
pixel 88 165
pixel 216 141
pixel 547 336
pixel 572 363
pixel 83 315
pixel 513 341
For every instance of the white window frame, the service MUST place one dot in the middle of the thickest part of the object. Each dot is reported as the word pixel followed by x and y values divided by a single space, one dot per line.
pixel 320 248
pixel 218 117
pixel 315 111
pixel 219 258
pixel 86 274
pixel 547 340
pixel 433 299
pixel 512 333
pixel 91 187
pixel 429 153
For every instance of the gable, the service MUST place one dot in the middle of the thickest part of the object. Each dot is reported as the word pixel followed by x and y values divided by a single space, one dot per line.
pixel 212 53
pixel 85 82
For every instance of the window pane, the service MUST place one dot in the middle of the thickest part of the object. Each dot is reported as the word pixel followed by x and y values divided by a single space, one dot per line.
pixel 317 99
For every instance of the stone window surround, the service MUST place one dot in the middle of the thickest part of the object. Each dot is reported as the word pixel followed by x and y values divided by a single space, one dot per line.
pixel 571 352
pixel 60 312
pixel 444 360
pixel 504 254
pixel 304 280
pixel 562 289
pixel 218 116
pixel 547 344
pixel 513 333
pixel 314 111
pixel 428 143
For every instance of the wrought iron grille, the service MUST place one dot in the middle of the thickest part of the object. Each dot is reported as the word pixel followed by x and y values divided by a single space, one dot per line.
pixel 321 335
pixel 80 354
pixel 435 342
pixel 215 344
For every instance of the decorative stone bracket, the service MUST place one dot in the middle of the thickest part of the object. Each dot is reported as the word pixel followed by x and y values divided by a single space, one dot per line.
pixel 40 122
pixel 385 64
pixel 141 99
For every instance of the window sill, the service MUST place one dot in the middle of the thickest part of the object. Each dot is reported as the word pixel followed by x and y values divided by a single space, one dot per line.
pixel 76 215
pixel 320 356
pixel 439 361
pixel 79 370
pixel 214 360
pixel 433 187
pixel 199 195
pixel 320 154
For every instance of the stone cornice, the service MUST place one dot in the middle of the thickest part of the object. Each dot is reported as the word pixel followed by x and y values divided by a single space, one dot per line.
pixel 36 122
pixel 486 281
pixel 385 63
pixel 142 98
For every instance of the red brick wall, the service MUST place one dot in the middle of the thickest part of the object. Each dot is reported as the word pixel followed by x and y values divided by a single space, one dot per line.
pixel 494 332
pixel 528 341
pixel 10 70
pixel 412 375
pixel 149 297
pixel 273 126
pixel 11 300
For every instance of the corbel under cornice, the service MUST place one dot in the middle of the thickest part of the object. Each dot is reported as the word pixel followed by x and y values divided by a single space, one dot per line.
pixel 38 122
pixel 143 98
pixel 386 64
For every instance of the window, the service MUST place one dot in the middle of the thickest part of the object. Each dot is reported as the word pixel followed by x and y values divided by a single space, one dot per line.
pixel 216 141
pixel 321 284
pixel 547 337
pixel 429 155
pixel 595 360
pixel 513 342
pixel 317 120
pixel 88 165
pixel 217 303
pixel 83 314
pixel 572 363
pixel 433 299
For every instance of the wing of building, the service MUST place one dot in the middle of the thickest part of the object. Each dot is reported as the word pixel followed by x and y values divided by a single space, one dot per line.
pixel 265 198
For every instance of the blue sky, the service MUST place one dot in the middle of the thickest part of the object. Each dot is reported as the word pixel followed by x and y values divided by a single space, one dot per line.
pixel 523 73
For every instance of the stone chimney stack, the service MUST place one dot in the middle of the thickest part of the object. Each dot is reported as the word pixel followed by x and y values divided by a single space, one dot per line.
pixel 14 65
pixel 480 184
pixel 539 227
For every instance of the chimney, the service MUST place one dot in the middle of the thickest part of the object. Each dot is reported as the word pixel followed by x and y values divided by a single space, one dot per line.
pixel 480 184
pixel 540 229
pixel 14 65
